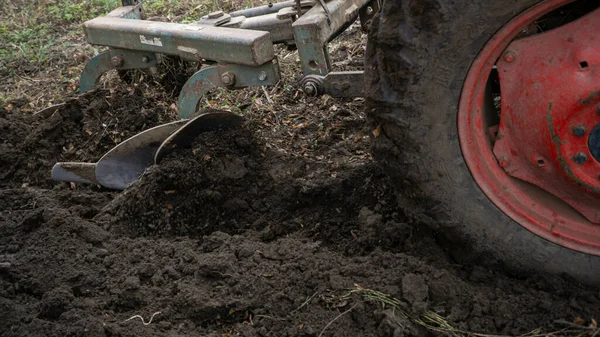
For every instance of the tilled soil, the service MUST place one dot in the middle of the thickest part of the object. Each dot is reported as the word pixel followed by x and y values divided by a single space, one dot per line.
pixel 250 232
pixel 284 227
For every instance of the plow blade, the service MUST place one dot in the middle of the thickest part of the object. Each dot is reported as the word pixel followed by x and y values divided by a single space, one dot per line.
pixel 127 161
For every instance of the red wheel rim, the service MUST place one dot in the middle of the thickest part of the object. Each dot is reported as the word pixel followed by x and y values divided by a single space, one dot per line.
pixel 531 207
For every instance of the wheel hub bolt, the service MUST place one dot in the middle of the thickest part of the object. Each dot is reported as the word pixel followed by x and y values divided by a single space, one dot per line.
pixel 579 131
pixel 310 89
pixel 228 78
pixel 117 61
pixel 509 57
pixel 580 158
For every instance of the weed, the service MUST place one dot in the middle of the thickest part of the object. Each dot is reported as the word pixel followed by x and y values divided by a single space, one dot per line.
pixel 70 10
pixel 435 322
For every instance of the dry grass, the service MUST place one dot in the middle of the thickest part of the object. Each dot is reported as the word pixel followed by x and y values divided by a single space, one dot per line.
pixel 435 322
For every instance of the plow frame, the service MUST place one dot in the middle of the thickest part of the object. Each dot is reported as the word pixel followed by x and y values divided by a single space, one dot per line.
pixel 236 49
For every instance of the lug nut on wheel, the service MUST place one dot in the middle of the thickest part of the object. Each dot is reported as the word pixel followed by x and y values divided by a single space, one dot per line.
pixel 579 131
pixel 580 158
pixel 509 57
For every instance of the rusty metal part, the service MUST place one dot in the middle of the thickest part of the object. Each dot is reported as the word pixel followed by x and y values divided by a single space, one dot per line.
pixel 336 84
pixel 550 95
pixel 113 59
pixel 184 137
pixel 190 42
pixel 312 31
pixel 211 77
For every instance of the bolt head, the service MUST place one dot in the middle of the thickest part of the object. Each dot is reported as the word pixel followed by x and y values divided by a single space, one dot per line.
pixel 310 89
pixel 117 61
pixel 228 78
pixel 580 158
pixel 579 131
pixel 509 57
pixel 262 76
pixel 145 59
pixel 369 10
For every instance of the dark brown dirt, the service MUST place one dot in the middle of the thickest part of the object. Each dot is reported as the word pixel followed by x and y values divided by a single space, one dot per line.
pixel 234 236
pixel 261 231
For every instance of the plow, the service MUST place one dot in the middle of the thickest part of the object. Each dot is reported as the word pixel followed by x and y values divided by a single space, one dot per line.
pixel 488 112
pixel 236 50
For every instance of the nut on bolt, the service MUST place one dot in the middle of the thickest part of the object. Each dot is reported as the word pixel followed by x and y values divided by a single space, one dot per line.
pixel 310 89
pixel 509 56
pixel 117 61
pixel 228 78
pixel 262 76
pixel 145 59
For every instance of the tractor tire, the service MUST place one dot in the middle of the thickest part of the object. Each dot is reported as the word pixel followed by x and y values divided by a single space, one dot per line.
pixel 419 54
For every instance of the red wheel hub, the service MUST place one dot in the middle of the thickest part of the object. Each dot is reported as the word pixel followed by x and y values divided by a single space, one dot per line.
pixel 542 169
pixel 550 103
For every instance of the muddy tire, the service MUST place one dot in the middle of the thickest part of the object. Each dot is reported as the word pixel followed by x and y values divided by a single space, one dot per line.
pixel 418 56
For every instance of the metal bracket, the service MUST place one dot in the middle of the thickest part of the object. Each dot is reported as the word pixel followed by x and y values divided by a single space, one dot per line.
pixel 312 32
pixel 131 9
pixel 190 42
pixel 237 76
pixel 367 13
pixel 336 84
pixel 113 59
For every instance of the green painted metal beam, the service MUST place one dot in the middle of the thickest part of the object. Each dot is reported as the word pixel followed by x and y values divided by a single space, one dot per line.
pixel 191 42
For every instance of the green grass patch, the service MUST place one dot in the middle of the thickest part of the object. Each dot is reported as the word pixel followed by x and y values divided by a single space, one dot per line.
pixel 70 11
pixel 30 43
